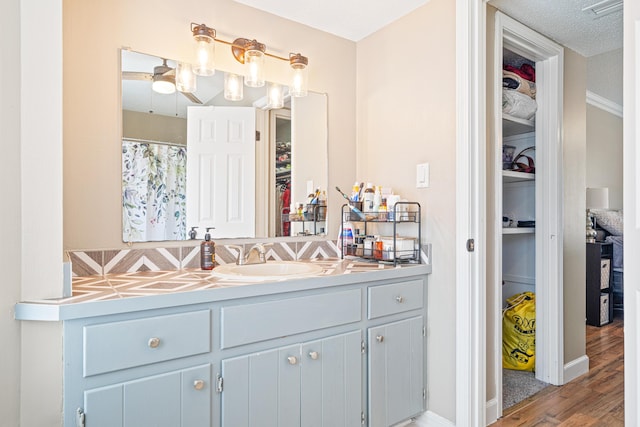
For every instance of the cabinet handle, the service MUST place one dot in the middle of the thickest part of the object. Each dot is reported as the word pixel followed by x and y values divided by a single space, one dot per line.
pixel 400 299
pixel 379 338
pixel 292 360
pixel 154 342
pixel 313 355
pixel 198 384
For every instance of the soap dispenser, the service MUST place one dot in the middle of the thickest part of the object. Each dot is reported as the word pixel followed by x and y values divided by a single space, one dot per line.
pixel 207 252
pixel 193 233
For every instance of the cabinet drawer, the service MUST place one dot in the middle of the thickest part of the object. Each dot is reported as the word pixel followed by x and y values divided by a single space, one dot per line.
pixel 396 298
pixel 119 345
pixel 249 323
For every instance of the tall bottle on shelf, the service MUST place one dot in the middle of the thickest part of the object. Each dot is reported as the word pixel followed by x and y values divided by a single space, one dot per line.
pixel 368 197
pixel 207 252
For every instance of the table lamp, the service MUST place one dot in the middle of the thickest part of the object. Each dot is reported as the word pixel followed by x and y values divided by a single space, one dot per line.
pixel 597 198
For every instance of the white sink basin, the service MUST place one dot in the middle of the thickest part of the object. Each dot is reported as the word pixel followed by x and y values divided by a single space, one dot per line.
pixel 271 270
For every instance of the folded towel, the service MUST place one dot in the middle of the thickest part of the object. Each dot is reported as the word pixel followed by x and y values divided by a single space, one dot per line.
pixel 524 86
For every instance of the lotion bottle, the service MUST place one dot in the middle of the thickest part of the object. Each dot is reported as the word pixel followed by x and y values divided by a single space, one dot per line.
pixel 207 252
pixel 368 198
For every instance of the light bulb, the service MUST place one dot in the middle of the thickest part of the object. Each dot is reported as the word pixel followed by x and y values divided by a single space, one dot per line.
pixel 233 90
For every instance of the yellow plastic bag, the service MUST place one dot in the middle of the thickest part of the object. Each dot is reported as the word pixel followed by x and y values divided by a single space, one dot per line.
pixel 519 332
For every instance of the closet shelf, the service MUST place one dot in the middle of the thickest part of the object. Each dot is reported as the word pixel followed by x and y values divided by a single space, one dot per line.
pixel 518 230
pixel 516 126
pixel 512 176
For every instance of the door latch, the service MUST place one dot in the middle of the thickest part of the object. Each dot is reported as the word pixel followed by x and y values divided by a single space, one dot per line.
pixel 471 245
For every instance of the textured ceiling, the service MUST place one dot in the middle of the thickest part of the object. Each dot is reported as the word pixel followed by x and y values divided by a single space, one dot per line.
pixel 566 23
pixel 351 19
pixel 561 20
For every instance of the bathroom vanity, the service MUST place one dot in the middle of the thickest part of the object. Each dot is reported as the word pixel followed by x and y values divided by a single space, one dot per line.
pixel 343 348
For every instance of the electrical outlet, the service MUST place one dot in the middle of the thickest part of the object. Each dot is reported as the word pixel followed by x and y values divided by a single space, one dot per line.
pixel 422 175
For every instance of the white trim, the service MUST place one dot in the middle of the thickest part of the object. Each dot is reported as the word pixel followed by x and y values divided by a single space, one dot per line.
pixel 430 419
pixel 576 368
pixel 549 308
pixel 470 213
pixel 604 104
pixel 493 411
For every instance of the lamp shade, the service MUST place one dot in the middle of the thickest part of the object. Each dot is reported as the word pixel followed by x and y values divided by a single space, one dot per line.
pixel 597 198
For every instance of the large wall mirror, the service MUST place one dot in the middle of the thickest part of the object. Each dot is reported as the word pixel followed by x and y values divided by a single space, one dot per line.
pixel 200 160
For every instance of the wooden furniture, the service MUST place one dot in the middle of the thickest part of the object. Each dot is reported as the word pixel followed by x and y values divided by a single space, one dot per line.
pixel 599 283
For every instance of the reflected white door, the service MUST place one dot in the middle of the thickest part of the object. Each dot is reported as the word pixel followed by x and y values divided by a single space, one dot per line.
pixel 221 170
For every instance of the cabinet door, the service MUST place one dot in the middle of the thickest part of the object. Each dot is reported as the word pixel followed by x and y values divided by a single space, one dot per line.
pixel 396 371
pixel 262 389
pixel 332 381
pixel 180 398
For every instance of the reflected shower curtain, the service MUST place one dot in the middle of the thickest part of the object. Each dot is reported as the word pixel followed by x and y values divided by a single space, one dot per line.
pixel 153 191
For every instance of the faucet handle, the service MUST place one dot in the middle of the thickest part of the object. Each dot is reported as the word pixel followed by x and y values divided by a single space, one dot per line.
pixel 240 249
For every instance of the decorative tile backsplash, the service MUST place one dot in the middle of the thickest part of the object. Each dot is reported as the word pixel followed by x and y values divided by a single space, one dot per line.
pixel 121 261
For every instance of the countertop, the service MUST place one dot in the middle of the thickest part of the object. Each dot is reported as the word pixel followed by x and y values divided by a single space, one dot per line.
pixel 118 293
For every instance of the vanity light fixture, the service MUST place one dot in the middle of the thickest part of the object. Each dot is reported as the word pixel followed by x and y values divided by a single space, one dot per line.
pixel 205 49
pixel 185 78
pixel 163 80
pixel 233 90
pixel 251 54
pixel 299 80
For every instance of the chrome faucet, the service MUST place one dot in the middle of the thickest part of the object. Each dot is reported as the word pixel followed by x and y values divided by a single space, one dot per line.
pixel 255 255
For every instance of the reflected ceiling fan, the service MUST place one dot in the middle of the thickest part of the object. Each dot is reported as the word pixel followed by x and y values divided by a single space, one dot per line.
pixel 163 80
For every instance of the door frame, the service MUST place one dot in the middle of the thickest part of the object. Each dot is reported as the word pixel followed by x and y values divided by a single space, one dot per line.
pixel 549 218
pixel 471 286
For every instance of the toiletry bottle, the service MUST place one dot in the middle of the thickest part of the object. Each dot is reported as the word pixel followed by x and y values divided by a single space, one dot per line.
pixel 367 205
pixel 355 191
pixel 377 199
pixel 193 233
pixel 207 252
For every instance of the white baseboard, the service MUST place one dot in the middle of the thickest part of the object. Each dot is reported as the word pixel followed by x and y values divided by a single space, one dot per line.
pixel 575 368
pixel 430 419
pixel 492 412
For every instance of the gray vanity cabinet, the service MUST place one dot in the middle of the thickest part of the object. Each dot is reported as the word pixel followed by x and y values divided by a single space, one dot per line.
pixel 316 383
pixel 175 399
pixel 396 371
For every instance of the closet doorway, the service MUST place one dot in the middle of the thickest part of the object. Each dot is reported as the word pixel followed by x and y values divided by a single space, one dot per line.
pixel 526 257
pixel 280 164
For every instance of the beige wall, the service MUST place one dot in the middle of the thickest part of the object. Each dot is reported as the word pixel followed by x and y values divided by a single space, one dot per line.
pixel 154 127
pixel 574 175
pixel 10 232
pixel 93 34
pixel 604 153
pixel 406 115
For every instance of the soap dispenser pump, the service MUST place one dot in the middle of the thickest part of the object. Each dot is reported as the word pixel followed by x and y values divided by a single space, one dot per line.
pixel 193 233
pixel 207 252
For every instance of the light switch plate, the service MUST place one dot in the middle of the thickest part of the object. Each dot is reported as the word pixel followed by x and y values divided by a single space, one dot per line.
pixel 422 175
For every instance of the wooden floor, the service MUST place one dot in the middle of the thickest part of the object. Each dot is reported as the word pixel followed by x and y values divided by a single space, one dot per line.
pixel 594 399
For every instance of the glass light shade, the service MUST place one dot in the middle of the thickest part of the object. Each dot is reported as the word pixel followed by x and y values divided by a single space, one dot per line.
pixel 254 68
pixel 233 90
pixel 185 78
pixel 205 51
pixel 275 96
pixel 299 80
pixel 163 84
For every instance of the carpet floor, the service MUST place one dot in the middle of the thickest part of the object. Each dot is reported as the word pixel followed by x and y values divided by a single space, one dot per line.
pixel 518 385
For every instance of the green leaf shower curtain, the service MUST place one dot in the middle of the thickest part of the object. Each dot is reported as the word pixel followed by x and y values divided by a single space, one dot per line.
pixel 153 191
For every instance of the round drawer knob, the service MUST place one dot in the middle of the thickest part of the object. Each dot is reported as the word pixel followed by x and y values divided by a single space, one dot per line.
pixel 198 384
pixel 314 355
pixel 379 338
pixel 292 360
pixel 154 342
pixel 400 299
